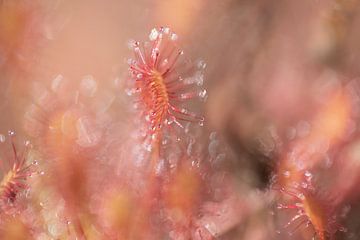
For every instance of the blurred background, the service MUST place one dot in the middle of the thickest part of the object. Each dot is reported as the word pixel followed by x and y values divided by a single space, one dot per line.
pixel 281 77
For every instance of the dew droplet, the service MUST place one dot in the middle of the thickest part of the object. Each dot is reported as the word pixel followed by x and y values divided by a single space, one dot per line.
pixel 301 196
pixel 174 37
pixel 199 78
pixel 202 93
pixel 148 147
pixel 56 83
pixel 213 136
pixel 27 143
pixel 286 174
pixel 11 133
pixel 201 64
pixel 2 138
pixel 308 174
pixel 166 30
pixel 303 129
pixel 184 111
pixel 88 86
pixel 35 163
pixel 131 44
pixel 153 34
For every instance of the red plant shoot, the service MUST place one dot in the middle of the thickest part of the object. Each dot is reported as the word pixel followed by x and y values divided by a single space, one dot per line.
pixel 312 209
pixel 14 179
pixel 163 81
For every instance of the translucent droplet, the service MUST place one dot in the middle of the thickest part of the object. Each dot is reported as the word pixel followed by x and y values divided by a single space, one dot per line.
pixel 11 133
pixel 184 110
pixel 301 196
pixel 201 122
pixel 343 229
pixel 35 162
pixel 148 147
pixel 27 143
pixel 199 78
pixel 153 34
pixel 56 83
pixel 166 30
pixel 160 167
pixel 129 91
pixel 213 147
pixel 286 174
pixel 213 136
pixel 308 174
pixel 170 121
pixel 2 138
pixel 201 64
pixel 291 133
pixel 88 86
pixel 304 185
pixel 190 147
pixel 88 133
pixel 303 129
pixel 139 76
pixel 220 157
pixel 131 44
pixel 202 93
pixel 174 37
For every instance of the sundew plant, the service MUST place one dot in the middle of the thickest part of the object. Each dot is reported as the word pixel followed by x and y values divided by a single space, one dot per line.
pixel 179 120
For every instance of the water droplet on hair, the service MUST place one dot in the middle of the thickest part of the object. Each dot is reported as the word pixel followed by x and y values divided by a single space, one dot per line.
pixel 11 133
pixel 88 86
pixel 201 123
pixel 56 83
pixel 166 30
pixel 308 174
pixel 286 174
pixel 2 138
pixel 301 196
pixel 165 141
pixel 153 34
pixel 213 147
pixel 202 93
pixel 148 147
pixel 35 162
pixel 27 143
pixel 213 136
pixel 291 133
pixel 199 78
pixel 190 146
pixel 201 64
pixel 303 129
pixel 131 44
pixel 174 37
